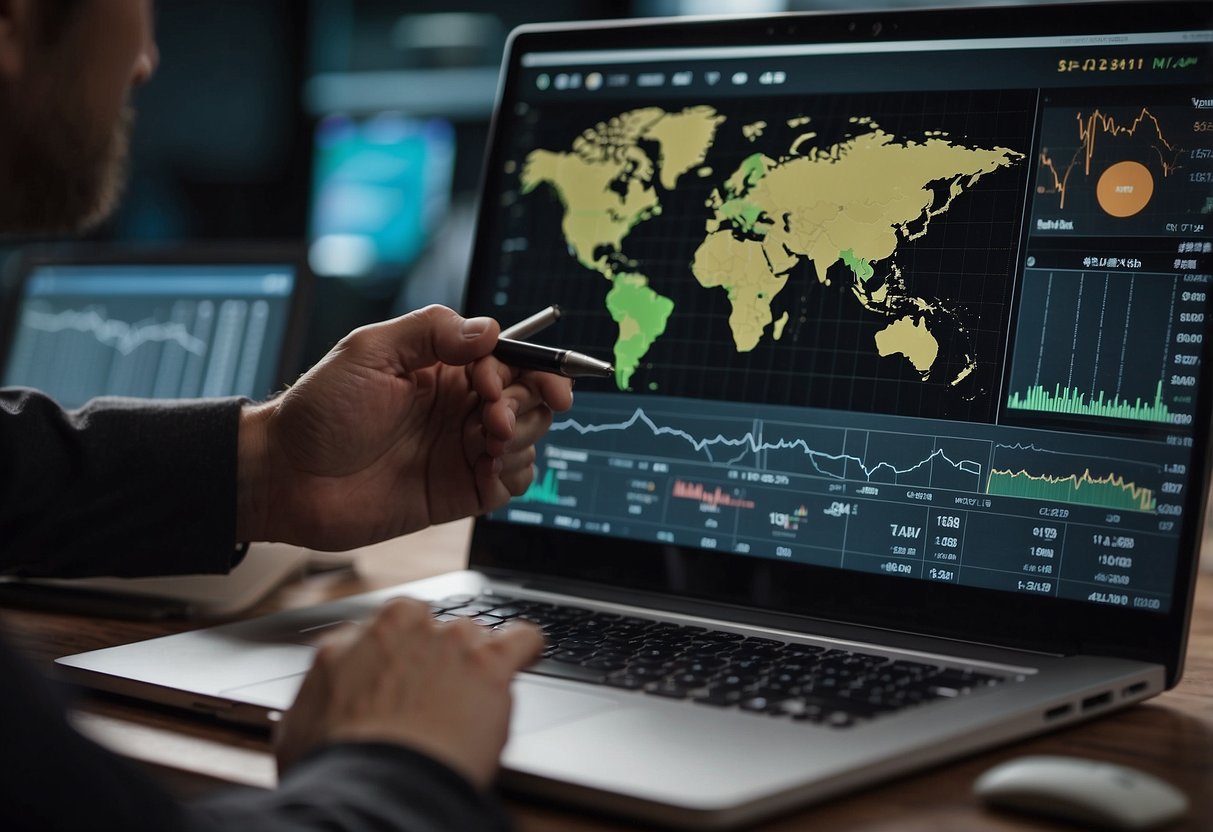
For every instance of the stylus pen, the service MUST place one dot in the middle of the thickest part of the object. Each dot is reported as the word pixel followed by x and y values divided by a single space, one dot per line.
pixel 550 359
pixel 535 323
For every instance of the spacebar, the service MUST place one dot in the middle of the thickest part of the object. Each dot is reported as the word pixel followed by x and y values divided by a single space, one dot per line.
pixel 563 670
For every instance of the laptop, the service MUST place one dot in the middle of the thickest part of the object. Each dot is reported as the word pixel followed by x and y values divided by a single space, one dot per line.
pixel 906 453
pixel 169 323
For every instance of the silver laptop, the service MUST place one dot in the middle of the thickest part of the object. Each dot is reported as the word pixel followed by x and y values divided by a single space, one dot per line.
pixel 907 451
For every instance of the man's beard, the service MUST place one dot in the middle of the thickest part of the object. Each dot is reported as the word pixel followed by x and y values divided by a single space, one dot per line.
pixel 63 178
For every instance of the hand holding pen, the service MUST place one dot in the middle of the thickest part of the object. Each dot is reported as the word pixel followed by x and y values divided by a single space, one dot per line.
pixel 518 353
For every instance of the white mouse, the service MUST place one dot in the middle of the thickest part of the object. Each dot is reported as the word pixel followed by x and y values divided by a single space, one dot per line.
pixel 1083 791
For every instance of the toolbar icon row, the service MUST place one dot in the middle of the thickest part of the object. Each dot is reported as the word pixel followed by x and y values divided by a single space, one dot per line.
pixel 595 80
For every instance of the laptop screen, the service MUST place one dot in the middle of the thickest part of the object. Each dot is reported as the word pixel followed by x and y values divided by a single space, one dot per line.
pixel 892 301
pixel 151 329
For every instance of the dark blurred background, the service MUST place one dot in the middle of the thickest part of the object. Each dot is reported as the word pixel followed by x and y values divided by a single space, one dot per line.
pixel 352 127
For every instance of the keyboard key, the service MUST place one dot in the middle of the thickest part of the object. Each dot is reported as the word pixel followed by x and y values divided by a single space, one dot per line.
pixel 564 670
pixel 649 672
pixel 755 703
pixel 469 610
pixel 840 719
pixel 493 598
pixel 572 656
pixel 912 668
pixel 717 698
pixel 691 680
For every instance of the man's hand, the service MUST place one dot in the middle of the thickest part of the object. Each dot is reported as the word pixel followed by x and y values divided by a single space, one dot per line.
pixel 441 689
pixel 404 424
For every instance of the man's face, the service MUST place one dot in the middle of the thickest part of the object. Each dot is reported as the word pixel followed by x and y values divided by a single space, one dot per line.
pixel 66 111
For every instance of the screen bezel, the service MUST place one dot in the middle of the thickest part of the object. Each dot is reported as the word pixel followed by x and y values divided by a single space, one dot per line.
pixel 591 564
pixel 29 261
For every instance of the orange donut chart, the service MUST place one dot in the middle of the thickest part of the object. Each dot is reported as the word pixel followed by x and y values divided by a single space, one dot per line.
pixel 1124 189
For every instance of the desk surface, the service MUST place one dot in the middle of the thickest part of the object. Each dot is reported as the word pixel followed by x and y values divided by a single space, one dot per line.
pixel 1171 735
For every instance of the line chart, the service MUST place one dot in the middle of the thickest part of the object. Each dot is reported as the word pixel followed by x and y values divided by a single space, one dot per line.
pixel 1090 127
pixel 752 441
pixel 1110 491
pixel 1076 476
pixel 122 336
pixel 1117 170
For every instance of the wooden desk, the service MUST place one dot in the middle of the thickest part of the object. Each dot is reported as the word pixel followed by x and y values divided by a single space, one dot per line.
pixel 1171 735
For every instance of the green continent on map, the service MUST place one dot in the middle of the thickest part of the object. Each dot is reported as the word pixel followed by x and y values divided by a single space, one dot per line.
pixel 641 314
pixel 606 187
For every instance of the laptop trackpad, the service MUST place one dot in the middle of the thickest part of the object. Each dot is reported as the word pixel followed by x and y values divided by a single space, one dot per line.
pixel 536 705
pixel 539 705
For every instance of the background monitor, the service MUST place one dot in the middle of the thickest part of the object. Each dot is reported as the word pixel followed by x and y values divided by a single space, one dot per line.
pixel 164 326
pixel 381 187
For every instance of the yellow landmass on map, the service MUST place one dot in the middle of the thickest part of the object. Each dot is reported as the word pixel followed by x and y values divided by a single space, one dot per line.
pixel 860 194
pixel 596 217
pixel 803 138
pixel 741 268
pixel 753 131
pixel 911 339
pixel 780 323
pixel 684 139
pixel 606 182
pixel 853 201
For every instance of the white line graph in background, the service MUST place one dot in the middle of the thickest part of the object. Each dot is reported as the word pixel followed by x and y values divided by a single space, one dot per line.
pixel 120 335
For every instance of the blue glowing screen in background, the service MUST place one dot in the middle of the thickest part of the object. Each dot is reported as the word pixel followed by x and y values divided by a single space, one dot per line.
pixel 381 187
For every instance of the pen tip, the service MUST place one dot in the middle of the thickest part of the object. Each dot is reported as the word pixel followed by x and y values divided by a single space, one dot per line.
pixel 557 311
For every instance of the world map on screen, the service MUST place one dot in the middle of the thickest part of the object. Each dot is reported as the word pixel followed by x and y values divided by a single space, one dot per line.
pixel 853 201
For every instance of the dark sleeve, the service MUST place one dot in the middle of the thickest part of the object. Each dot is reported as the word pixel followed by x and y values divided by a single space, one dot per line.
pixel 359 788
pixel 52 778
pixel 120 487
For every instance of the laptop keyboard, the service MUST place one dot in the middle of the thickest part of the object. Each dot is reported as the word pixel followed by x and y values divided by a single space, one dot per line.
pixel 718 668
